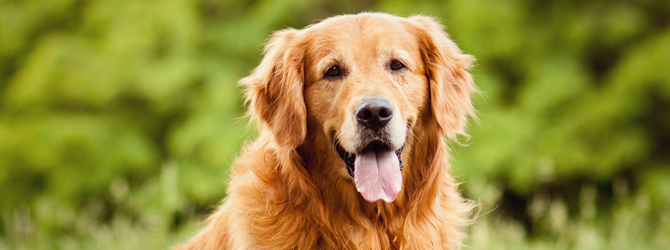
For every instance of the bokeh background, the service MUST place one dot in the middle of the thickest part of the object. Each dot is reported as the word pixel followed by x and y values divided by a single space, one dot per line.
pixel 119 119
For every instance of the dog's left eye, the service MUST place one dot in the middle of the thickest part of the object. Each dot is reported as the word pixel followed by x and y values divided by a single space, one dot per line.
pixel 397 65
pixel 333 71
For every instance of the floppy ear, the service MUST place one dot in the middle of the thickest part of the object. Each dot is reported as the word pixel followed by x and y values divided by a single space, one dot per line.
pixel 274 90
pixel 450 83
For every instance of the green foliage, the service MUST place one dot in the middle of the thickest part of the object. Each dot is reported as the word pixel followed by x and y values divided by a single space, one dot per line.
pixel 119 119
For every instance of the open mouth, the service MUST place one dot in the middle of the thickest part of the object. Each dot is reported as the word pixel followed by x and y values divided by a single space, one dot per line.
pixel 350 158
pixel 375 169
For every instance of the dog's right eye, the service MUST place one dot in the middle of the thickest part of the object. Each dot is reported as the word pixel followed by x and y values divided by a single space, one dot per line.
pixel 334 71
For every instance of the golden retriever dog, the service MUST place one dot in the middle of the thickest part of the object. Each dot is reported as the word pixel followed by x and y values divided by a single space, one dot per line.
pixel 353 112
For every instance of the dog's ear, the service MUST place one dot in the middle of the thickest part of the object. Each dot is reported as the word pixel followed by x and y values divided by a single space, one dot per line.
pixel 274 90
pixel 446 69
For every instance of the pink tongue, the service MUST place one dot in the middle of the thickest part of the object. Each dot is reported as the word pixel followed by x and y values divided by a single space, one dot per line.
pixel 377 175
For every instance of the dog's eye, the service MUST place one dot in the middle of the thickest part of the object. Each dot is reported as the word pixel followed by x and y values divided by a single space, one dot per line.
pixel 397 65
pixel 333 71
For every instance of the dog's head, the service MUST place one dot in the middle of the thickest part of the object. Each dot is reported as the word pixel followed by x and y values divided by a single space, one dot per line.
pixel 363 82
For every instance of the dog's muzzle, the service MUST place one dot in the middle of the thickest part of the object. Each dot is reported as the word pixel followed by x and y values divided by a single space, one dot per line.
pixel 375 165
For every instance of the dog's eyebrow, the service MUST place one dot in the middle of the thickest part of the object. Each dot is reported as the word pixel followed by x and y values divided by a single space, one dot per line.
pixel 327 62
pixel 400 52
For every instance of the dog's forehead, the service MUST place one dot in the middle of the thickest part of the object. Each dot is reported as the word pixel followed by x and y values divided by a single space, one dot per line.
pixel 360 30
pixel 360 35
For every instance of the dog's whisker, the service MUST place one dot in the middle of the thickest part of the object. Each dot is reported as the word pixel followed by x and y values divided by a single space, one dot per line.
pixel 410 132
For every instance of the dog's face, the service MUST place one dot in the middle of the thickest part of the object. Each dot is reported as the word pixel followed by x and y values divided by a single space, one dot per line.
pixel 365 87
pixel 363 82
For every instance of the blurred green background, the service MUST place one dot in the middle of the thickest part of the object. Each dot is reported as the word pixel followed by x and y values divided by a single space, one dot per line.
pixel 119 119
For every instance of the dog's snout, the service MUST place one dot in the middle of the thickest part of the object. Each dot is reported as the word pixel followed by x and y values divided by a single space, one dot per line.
pixel 374 113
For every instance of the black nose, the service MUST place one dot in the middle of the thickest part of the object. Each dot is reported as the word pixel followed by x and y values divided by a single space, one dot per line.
pixel 374 113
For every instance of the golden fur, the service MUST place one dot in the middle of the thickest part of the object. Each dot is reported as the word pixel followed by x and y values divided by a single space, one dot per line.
pixel 289 188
